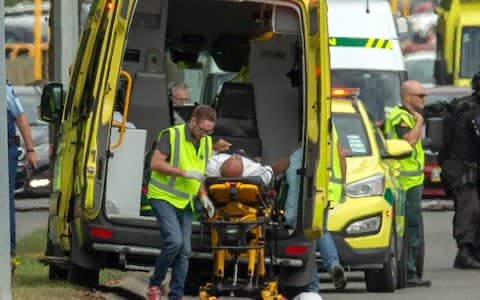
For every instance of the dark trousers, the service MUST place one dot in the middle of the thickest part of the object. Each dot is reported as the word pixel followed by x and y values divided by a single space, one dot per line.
pixel 12 174
pixel 413 215
pixel 466 222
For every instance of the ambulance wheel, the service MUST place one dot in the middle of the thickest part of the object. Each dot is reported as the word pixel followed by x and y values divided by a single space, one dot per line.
pixel 82 276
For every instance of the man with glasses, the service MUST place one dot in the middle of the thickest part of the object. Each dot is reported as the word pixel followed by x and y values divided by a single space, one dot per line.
pixel 178 164
pixel 406 122
pixel 179 94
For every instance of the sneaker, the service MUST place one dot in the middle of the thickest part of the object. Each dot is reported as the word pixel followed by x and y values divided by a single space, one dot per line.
pixel 153 293
pixel 338 277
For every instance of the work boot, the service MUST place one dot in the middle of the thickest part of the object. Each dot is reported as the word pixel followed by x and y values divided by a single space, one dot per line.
pixel 153 293
pixel 465 260
pixel 338 276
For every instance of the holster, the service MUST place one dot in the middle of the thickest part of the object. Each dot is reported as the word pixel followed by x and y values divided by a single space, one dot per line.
pixel 456 172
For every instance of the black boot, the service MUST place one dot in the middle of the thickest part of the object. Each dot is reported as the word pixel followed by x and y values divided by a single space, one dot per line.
pixel 465 259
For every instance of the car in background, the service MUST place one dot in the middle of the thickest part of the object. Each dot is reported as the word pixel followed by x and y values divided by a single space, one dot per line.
pixel 33 182
pixel 432 183
pixel 419 66
pixel 368 225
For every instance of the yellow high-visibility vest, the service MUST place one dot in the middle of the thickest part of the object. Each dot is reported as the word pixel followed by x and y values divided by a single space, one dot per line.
pixel 411 168
pixel 180 191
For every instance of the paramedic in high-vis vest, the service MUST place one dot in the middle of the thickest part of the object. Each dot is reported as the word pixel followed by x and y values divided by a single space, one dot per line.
pixel 178 165
pixel 16 116
pixel 406 122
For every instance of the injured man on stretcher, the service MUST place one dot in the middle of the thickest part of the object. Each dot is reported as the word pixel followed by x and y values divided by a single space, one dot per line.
pixel 238 165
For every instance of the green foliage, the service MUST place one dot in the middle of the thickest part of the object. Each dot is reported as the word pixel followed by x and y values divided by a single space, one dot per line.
pixel 15 2
pixel 31 276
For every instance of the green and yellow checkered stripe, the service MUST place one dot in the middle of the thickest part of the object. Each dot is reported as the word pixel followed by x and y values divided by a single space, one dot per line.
pixel 360 42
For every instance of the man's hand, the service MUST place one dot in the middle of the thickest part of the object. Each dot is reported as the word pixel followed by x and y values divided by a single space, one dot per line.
pixel 221 145
pixel 193 175
pixel 207 204
pixel 417 116
pixel 32 159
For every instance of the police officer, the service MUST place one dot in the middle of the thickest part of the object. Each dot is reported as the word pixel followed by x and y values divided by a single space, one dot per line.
pixel 460 171
pixel 178 164
pixel 406 122
pixel 15 115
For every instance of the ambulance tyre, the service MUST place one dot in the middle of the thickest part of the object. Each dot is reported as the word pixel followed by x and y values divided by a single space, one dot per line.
pixel 199 273
pixel 82 276
pixel 55 272
pixel 385 279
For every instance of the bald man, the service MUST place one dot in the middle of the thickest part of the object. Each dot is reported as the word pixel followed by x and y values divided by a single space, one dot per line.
pixel 406 122
pixel 236 165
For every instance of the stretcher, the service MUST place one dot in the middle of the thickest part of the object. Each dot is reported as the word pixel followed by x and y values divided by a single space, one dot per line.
pixel 243 212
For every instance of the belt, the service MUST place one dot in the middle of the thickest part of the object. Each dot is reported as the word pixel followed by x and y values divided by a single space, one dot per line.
pixel 14 141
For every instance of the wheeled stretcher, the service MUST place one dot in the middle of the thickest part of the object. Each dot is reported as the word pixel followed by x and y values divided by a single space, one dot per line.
pixel 237 235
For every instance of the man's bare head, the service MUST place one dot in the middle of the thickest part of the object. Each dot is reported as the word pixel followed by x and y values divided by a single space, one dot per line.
pixel 232 167
pixel 413 94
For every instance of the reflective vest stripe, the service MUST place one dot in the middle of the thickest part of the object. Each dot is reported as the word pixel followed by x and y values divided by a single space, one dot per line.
pixel 411 173
pixel 146 207
pixel 175 161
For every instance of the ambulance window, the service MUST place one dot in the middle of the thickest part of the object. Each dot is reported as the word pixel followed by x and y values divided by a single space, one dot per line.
pixel 313 20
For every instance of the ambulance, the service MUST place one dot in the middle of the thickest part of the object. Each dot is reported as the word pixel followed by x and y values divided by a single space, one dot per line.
pixel 365 52
pixel 130 51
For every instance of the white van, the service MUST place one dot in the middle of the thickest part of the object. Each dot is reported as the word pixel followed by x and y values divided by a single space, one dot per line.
pixel 365 52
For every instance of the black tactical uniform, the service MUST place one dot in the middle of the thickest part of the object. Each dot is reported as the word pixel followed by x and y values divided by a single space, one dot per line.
pixel 461 172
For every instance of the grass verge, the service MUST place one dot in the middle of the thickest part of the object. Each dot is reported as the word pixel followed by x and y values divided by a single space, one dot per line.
pixel 31 277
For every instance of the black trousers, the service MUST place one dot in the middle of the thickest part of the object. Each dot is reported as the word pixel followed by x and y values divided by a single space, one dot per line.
pixel 466 222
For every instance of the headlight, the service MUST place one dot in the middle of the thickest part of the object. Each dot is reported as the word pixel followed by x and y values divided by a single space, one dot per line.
pixel 370 186
pixel 368 225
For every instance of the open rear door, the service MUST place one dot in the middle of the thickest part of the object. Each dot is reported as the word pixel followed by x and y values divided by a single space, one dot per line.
pixel 317 125
pixel 80 168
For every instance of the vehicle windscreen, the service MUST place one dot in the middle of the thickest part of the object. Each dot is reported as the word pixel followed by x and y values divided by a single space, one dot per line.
pixel 352 134
pixel 420 70
pixel 470 53
pixel 378 89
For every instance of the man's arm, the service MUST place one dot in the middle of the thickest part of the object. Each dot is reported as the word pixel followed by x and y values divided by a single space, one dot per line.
pixel 413 135
pixel 159 163
pixel 22 124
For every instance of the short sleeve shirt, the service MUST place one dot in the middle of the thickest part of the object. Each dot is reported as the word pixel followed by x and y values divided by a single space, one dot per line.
pixel 163 143
pixel 13 104
pixel 402 128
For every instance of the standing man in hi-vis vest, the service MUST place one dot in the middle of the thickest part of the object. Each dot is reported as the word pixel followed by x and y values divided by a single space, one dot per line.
pixel 178 165
pixel 325 244
pixel 406 122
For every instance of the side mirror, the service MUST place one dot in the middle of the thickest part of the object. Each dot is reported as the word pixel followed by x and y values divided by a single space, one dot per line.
pixel 440 72
pixel 51 104
pixel 434 133
pixel 397 149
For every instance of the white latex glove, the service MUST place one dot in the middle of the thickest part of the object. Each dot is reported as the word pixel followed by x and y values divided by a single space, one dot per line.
pixel 193 175
pixel 207 204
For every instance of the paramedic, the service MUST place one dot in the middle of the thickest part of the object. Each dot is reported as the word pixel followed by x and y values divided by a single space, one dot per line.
pixel 406 122
pixel 178 164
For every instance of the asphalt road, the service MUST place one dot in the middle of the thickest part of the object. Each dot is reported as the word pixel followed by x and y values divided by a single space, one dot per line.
pixel 447 282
